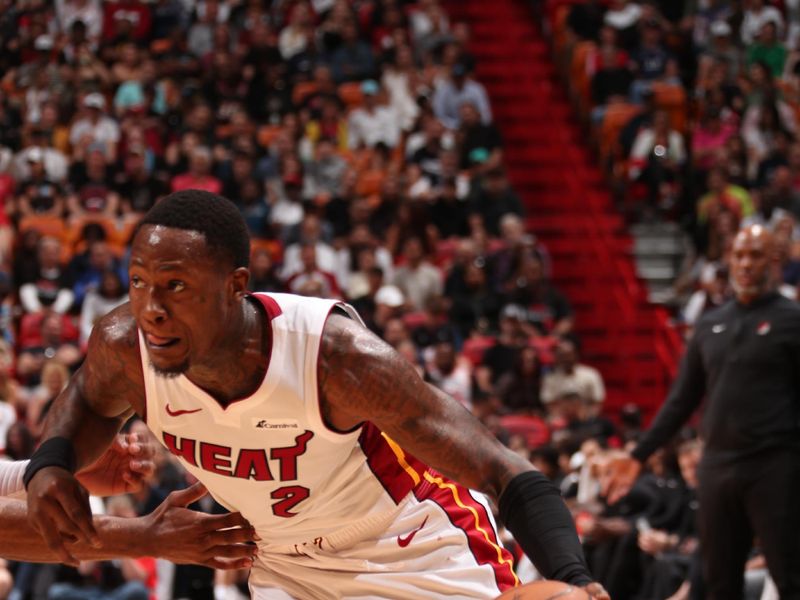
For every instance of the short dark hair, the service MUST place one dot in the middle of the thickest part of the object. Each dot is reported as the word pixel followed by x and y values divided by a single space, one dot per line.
pixel 216 217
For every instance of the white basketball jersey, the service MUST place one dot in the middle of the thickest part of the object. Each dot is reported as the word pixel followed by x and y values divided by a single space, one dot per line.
pixel 270 456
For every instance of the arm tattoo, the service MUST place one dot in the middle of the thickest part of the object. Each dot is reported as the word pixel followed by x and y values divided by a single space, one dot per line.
pixel 364 379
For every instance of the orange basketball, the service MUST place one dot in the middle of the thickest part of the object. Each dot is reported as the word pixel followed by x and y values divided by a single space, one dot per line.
pixel 545 590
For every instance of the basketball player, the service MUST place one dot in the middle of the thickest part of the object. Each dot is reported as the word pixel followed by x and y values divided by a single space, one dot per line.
pixel 171 531
pixel 293 413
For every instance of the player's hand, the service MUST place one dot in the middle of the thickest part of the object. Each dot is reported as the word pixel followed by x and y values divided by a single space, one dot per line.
pixel 122 469
pixel 596 591
pixel 618 475
pixel 182 536
pixel 58 509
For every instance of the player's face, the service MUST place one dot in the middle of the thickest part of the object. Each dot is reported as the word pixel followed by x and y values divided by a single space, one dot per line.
pixel 181 298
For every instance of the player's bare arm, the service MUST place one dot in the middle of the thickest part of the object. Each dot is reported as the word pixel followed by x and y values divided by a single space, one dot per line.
pixel 85 417
pixel 362 378
pixel 171 531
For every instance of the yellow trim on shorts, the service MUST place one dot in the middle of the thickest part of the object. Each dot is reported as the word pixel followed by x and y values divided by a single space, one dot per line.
pixel 401 458
pixel 454 490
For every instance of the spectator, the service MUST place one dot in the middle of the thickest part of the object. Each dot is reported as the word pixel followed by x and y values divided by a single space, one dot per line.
pixel 453 92
pixel 519 389
pixel 88 12
pixel 324 174
pixel 571 377
pixel 353 59
pixel 297 36
pixel 374 123
pixel 38 400
pixel 768 49
pixel 757 13
pixel 723 195
pixel 311 279
pixel 652 62
pixel 403 85
pixel 47 285
pixel 92 191
pixel 95 127
pixel 199 174
pixel 419 281
pixel 448 371
pixel 310 232
pixel 264 272
pixel 657 159
pixel 547 309
pixel 136 185
pixel 37 194
pixel 109 294
pixel 492 198
pixel 52 337
pixel 90 268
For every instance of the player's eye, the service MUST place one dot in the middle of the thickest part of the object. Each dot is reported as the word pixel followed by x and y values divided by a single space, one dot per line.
pixel 137 283
pixel 176 286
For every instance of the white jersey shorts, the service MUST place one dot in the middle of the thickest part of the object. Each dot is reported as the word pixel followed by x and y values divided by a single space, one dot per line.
pixel 441 543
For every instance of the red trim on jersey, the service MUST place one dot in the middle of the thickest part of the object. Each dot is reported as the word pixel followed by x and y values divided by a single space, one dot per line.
pixel 270 305
pixel 325 423
pixel 462 513
pixel 385 465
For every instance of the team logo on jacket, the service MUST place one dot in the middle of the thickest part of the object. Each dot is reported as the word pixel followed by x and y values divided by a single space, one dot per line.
pixel 763 328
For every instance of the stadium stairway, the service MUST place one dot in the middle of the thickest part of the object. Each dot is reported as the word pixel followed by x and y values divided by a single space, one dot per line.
pixel 568 205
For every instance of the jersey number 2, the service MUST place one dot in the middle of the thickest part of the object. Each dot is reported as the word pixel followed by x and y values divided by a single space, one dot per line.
pixel 288 497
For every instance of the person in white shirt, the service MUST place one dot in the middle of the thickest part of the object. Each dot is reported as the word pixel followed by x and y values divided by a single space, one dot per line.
pixel 95 127
pixel 569 374
pixel 375 122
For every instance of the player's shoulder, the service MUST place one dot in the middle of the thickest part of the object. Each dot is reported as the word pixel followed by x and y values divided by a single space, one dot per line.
pixel 116 330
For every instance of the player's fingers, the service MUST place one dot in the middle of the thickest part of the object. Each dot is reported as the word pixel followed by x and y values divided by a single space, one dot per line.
pixel 66 523
pixel 75 506
pixel 233 551
pixel 141 466
pixel 239 535
pixel 185 497
pixel 54 540
pixel 228 521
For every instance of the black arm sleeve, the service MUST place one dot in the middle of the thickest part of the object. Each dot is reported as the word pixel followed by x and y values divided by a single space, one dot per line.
pixel 684 397
pixel 533 511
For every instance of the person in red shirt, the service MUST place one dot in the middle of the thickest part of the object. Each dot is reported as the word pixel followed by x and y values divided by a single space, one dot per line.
pixel 199 175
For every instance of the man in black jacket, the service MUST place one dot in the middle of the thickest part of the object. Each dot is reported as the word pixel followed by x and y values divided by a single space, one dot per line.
pixel 744 359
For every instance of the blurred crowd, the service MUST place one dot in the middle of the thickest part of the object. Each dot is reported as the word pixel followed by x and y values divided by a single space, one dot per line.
pixel 695 110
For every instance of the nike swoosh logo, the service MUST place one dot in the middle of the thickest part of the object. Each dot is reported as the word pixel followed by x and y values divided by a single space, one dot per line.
pixel 405 541
pixel 179 412
pixel 718 328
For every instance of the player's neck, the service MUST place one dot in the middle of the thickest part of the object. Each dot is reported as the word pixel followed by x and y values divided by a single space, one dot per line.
pixel 236 370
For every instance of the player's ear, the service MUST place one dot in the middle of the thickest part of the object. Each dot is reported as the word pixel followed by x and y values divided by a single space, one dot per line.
pixel 238 280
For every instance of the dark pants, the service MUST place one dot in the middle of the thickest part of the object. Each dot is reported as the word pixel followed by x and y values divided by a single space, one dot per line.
pixel 757 498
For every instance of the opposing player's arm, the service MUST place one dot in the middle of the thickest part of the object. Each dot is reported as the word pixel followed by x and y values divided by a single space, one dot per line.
pixel 171 531
pixel 363 379
pixel 104 392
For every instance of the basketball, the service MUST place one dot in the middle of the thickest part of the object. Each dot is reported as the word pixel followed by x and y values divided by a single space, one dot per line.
pixel 545 590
